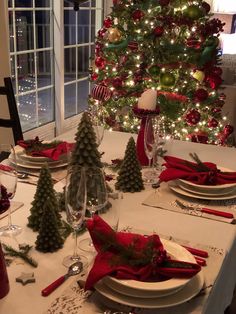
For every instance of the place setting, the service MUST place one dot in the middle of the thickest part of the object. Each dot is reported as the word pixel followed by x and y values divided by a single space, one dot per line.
pixel 196 188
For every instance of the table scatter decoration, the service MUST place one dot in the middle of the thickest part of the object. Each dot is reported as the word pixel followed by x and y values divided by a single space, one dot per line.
pixel 129 176
pixel 25 278
pixel 44 191
pixel 49 238
pixel 22 253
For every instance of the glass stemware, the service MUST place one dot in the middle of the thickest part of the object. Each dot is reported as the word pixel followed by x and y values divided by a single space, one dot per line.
pixel 96 199
pixel 150 146
pixel 75 210
pixel 8 183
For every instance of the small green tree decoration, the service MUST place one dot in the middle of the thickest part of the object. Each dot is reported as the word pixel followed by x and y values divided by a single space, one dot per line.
pixel 85 153
pixel 129 176
pixel 49 238
pixel 44 191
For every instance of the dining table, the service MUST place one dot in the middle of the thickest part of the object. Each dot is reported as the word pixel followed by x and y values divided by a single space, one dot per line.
pixel 215 236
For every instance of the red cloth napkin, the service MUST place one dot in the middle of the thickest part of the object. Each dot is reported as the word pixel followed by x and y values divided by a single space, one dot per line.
pixel 131 256
pixel 178 168
pixel 52 153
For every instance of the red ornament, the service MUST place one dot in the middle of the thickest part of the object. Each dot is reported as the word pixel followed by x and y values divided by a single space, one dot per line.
pixel 164 2
pixel 216 110
pixel 107 22
pixel 133 45
pixel 101 32
pixel 199 137
pixel 192 117
pixel 222 96
pixel 158 31
pixel 206 7
pixel 217 71
pixel 100 62
pixel 94 76
pixel 200 95
pixel 214 81
pixel 137 15
pixel 212 123
pixel 117 82
pixel 193 42
pixel 101 93
pixel 228 129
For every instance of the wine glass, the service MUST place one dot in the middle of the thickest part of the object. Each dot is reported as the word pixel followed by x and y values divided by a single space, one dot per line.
pixel 150 147
pixel 8 183
pixel 96 199
pixel 75 210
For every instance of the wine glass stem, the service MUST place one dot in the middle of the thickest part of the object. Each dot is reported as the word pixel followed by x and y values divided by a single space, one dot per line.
pixel 9 217
pixel 75 254
pixel 149 162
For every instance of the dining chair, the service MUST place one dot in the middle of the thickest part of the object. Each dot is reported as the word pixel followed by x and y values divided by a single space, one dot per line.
pixel 13 122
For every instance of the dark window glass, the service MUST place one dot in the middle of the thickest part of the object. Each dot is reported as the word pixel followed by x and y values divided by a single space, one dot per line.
pixel 83 61
pixel 26 72
pixel 69 27
pixel 24 30
pixel 70 100
pixel 23 3
pixel 42 19
pixel 70 64
pixel 83 26
pixel 27 111
pixel 44 68
pixel 83 91
pixel 45 108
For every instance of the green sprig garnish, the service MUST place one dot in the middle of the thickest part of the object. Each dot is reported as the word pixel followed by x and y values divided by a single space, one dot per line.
pixel 22 253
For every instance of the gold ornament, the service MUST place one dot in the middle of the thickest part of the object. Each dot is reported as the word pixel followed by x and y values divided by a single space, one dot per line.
pixel 114 35
pixel 199 76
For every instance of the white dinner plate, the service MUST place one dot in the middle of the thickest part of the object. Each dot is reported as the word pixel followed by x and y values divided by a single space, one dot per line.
pixel 188 292
pixel 180 191
pixel 154 289
pixel 209 188
pixel 27 165
pixel 223 192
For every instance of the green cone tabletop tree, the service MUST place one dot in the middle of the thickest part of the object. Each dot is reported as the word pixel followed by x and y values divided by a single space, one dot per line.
pixel 85 153
pixel 172 47
pixel 49 238
pixel 44 191
pixel 129 176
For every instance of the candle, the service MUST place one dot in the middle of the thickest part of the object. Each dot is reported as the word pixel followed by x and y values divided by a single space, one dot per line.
pixel 148 100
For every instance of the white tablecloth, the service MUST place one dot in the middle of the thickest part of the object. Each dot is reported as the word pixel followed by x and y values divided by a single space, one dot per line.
pixel 28 299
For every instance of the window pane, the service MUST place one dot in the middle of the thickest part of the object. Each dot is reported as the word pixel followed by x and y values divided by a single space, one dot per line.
pixel 93 29
pixel 23 3
pixel 26 72
pixel 70 64
pixel 83 26
pixel 42 28
pixel 11 32
pixel 70 100
pixel 27 111
pixel 69 27
pixel 83 91
pixel 83 61
pixel 68 3
pixel 24 30
pixel 13 72
pixel 42 3
pixel 45 106
pixel 85 4
pixel 9 3
pixel 92 52
pixel 44 68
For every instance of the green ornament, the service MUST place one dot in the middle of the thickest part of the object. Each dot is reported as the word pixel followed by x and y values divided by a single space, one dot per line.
pixel 154 70
pixel 193 12
pixel 167 79
pixel 212 41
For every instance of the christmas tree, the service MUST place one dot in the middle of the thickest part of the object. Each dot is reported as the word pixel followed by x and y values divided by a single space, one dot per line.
pixel 44 191
pixel 85 154
pixel 49 238
pixel 171 47
pixel 130 176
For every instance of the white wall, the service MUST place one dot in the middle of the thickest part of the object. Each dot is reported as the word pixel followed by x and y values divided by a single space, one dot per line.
pixel 5 134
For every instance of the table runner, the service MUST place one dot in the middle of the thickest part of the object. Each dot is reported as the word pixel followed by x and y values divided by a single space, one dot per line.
pixel 164 195
pixel 74 300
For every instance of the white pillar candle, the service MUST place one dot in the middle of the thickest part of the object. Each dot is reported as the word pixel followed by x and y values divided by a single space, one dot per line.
pixel 148 100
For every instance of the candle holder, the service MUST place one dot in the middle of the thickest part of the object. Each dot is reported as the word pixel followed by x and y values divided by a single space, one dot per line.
pixel 142 114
